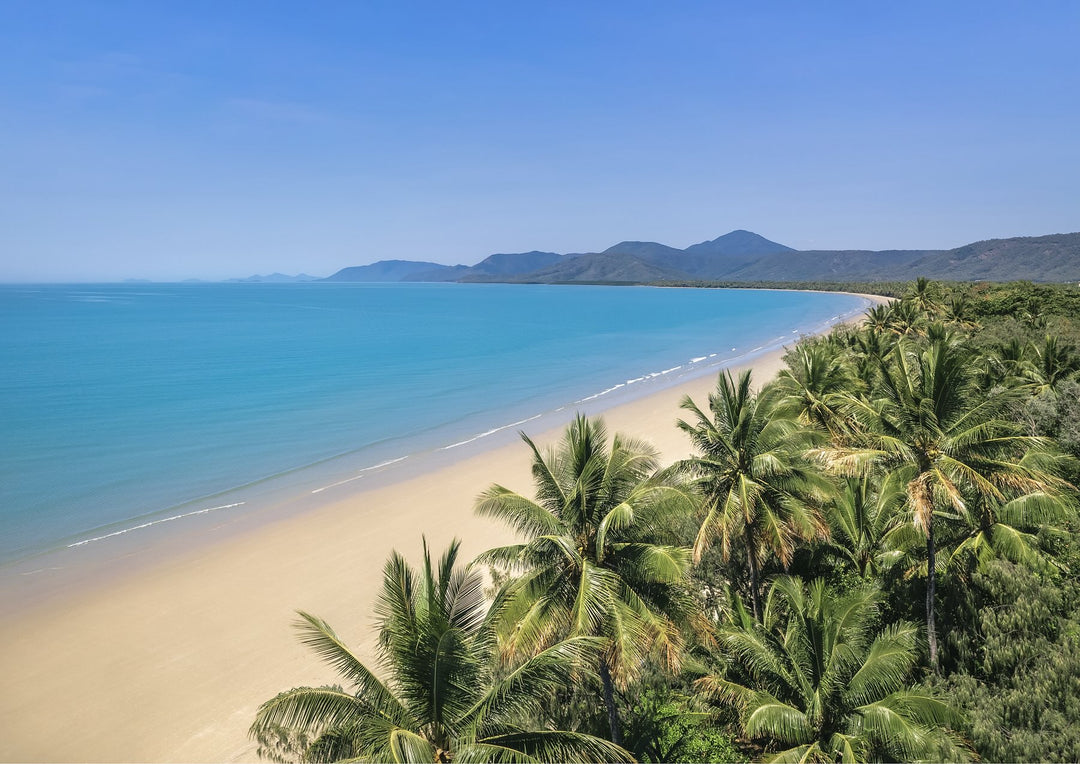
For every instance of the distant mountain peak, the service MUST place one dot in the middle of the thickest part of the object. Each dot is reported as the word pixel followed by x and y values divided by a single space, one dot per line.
pixel 643 249
pixel 739 242
pixel 514 263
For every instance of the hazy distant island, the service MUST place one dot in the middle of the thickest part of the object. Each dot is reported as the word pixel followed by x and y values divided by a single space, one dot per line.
pixel 275 278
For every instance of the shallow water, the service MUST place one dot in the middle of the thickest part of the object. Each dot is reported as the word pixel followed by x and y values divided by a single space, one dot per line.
pixel 126 406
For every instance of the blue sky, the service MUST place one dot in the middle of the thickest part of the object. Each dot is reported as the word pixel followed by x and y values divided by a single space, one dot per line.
pixel 216 139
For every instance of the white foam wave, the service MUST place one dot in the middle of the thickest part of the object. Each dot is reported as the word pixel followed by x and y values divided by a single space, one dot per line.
pixel 475 438
pixel 361 474
pixel 699 359
pixel 604 392
pixel 156 522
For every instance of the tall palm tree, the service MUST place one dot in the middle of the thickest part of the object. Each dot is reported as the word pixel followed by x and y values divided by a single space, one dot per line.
pixel 1008 529
pixel 959 312
pixel 1053 363
pixel 814 386
pixel 906 318
pixel 942 438
pixel 922 295
pixel 761 495
pixel 814 685
pixel 598 557
pixel 442 699
pixel 862 521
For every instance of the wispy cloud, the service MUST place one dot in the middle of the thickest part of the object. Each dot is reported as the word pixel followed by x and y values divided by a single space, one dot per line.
pixel 113 73
pixel 263 110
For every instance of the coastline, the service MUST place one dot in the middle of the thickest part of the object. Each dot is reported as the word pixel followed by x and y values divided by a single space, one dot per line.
pixel 168 660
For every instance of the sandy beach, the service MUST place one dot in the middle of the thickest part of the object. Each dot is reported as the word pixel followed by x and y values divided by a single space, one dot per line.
pixel 171 662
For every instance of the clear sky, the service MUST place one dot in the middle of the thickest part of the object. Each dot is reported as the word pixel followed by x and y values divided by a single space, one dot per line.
pixel 168 140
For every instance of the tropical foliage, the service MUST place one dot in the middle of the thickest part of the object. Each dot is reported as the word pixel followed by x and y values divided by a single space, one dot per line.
pixel 814 684
pixel 950 447
pixel 443 699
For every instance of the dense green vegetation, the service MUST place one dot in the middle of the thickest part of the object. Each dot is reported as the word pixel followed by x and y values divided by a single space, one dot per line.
pixel 874 557
pixel 742 258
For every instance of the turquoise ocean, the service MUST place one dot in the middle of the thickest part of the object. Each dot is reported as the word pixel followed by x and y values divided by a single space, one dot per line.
pixel 125 407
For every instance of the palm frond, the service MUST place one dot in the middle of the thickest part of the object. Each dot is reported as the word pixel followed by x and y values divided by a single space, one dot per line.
pixel 407 746
pixel 618 518
pixel 768 717
pixel 321 638
pixel 309 710
pixel 889 662
pixel 557 745
pixel 522 514
pixel 519 691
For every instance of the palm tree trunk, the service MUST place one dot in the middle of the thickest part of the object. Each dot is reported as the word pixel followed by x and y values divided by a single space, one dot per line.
pixel 755 594
pixel 931 581
pixel 609 701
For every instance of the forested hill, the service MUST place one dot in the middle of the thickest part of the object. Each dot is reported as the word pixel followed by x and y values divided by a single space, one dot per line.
pixel 744 256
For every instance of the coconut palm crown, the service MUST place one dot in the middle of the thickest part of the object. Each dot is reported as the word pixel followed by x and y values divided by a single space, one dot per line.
pixel 1053 364
pixel 594 561
pixel 762 497
pixel 443 698
pixel 867 532
pixel 813 683
pixel 1010 529
pixel 812 389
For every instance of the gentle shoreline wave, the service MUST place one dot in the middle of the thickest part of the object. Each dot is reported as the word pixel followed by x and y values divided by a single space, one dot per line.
pixel 155 522
pixel 714 366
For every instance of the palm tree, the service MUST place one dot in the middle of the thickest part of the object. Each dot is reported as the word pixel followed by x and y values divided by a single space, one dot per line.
pixel 594 561
pixel 1008 365
pixel 878 317
pixel 1008 529
pixel 938 331
pixel 906 318
pixel 810 681
pixel 959 312
pixel 443 699
pixel 760 492
pixel 814 386
pixel 1053 363
pixel 922 297
pixel 942 438
pixel 872 348
pixel 862 521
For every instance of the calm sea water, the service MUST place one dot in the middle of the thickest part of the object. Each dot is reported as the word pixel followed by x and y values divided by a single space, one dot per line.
pixel 129 405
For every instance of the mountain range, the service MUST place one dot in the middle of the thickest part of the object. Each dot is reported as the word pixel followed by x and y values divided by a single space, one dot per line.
pixel 747 256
